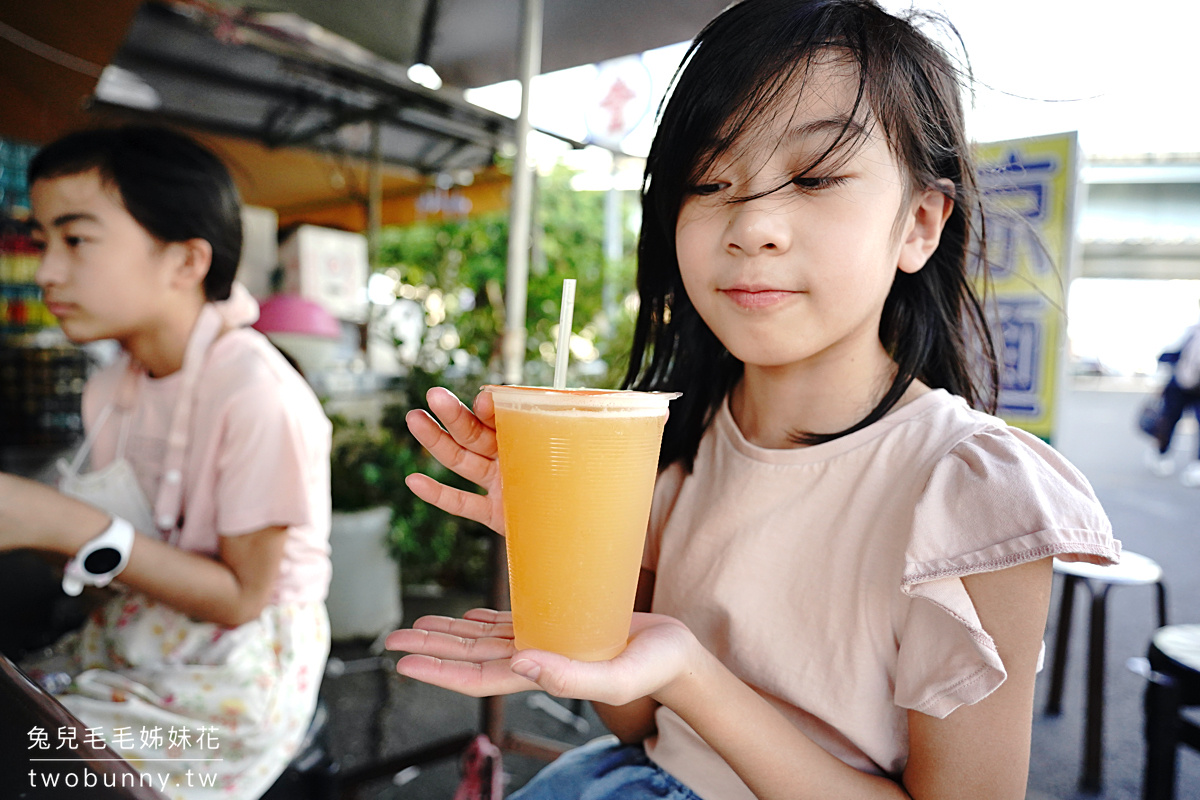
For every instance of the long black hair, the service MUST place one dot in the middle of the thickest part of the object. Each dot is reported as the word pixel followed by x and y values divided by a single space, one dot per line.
pixel 172 186
pixel 737 69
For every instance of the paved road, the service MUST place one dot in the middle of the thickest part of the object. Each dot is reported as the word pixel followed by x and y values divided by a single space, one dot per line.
pixel 1159 518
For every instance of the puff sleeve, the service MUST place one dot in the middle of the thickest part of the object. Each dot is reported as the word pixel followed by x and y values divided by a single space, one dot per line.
pixel 999 498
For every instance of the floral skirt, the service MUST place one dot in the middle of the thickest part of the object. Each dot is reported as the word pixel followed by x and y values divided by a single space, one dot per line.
pixel 209 711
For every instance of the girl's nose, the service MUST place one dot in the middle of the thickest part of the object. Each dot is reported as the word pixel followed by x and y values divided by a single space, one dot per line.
pixel 758 227
pixel 51 269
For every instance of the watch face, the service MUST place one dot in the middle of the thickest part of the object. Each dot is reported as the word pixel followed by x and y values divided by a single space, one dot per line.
pixel 102 560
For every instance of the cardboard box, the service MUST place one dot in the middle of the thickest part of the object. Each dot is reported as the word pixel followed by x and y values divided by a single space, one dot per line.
pixel 328 266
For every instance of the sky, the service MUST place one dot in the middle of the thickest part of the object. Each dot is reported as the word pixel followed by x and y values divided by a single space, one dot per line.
pixel 1124 74
pixel 1121 73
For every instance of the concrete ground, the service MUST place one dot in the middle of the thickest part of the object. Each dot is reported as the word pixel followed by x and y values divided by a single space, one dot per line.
pixel 375 713
pixel 1157 517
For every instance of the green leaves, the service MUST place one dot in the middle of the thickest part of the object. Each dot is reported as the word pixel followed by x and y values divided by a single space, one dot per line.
pixel 367 468
pixel 455 272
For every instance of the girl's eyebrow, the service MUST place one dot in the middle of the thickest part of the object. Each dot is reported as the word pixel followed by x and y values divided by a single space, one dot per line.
pixel 846 128
pixel 66 219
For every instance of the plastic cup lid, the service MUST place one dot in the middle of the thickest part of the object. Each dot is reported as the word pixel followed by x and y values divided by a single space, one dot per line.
pixel 579 399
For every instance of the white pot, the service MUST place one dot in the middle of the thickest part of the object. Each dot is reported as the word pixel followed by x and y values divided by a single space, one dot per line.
pixel 364 592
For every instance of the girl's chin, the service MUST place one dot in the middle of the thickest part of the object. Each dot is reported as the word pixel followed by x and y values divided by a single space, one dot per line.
pixel 81 334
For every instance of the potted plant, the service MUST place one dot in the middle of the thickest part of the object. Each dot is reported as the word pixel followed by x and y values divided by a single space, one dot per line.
pixel 439 551
pixel 379 524
pixel 365 475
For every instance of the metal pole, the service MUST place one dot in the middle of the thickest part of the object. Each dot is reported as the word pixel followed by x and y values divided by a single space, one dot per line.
pixel 614 233
pixel 520 211
pixel 521 207
pixel 375 194
pixel 374 225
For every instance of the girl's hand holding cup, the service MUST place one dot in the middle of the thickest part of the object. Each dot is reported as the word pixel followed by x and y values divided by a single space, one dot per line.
pixel 467 446
pixel 476 656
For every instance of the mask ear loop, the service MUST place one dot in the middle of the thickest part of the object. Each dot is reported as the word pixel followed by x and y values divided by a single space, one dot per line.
pixel 76 463
pixel 169 503
pixel 131 384
pixel 126 393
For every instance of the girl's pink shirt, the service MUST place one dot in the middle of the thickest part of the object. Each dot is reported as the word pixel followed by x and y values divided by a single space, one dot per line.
pixel 257 453
pixel 828 578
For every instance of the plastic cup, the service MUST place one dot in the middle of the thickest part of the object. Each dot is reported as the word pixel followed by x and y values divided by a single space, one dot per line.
pixel 577 469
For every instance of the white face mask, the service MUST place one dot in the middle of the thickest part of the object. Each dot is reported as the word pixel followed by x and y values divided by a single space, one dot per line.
pixel 114 488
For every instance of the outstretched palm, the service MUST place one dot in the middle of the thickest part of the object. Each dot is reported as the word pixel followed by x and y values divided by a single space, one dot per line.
pixel 476 656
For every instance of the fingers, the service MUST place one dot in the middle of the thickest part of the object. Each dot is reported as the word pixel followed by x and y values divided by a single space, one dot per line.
pixel 449 647
pixel 477 680
pixel 485 409
pixel 449 449
pixel 476 623
pixel 476 655
pixel 487 637
pixel 475 507
pixel 467 446
pixel 470 656
pixel 468 429
pixel 439 662
pixel 490 615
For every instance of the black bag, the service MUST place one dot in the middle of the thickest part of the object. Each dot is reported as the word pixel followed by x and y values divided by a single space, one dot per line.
pixel 1150 414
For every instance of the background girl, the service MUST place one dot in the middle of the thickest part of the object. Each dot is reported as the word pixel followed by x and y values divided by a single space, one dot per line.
pixel 204 441
pixel 848 569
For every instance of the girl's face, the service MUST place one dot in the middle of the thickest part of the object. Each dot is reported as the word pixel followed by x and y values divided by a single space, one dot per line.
pixel 799 276
pixel 102 274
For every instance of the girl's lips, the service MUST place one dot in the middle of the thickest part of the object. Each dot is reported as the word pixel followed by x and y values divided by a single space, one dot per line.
pixel 757 298
pixel 59 309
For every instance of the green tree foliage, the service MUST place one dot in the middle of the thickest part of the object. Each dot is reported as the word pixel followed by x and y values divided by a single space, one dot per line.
pixel 456 271
pixel 462 265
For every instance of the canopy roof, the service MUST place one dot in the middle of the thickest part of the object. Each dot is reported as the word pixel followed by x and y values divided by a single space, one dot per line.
pixel 292 86
pixel 258 83
pixel 475 42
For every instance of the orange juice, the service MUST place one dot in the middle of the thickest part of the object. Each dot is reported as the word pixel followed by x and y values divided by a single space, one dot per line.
pixel 577 470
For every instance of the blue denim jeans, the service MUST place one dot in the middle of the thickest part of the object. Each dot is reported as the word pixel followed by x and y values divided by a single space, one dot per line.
pixel 604 769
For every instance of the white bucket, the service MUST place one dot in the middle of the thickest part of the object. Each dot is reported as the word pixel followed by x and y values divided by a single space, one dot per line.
pixel 364 592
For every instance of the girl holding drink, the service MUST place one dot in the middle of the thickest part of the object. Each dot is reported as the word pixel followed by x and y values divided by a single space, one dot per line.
pixel 207 498
pixel 848 566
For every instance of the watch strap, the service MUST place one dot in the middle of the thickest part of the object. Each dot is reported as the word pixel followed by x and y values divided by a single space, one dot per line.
pixel 100 559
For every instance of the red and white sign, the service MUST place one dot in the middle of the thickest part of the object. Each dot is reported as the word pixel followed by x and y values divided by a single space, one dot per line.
pixel 621 99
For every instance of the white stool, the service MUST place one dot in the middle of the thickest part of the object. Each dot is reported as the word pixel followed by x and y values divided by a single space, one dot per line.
pixel 1134 570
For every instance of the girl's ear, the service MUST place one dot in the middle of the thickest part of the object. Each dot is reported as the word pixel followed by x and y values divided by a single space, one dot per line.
pixel 930 211
pixel 195 257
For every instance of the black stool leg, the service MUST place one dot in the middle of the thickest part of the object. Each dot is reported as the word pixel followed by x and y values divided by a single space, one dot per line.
pixel 1061 640
pixel 1162 604
pixel 1093 753
pixel 1162 701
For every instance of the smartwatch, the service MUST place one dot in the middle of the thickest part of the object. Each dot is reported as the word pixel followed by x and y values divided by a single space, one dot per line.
pixel 100 559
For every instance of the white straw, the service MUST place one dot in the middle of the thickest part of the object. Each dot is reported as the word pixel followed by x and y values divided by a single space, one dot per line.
pixel 565 313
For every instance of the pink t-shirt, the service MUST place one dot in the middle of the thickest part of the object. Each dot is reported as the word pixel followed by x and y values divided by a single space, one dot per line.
pixel 257 454
pixel 828 577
